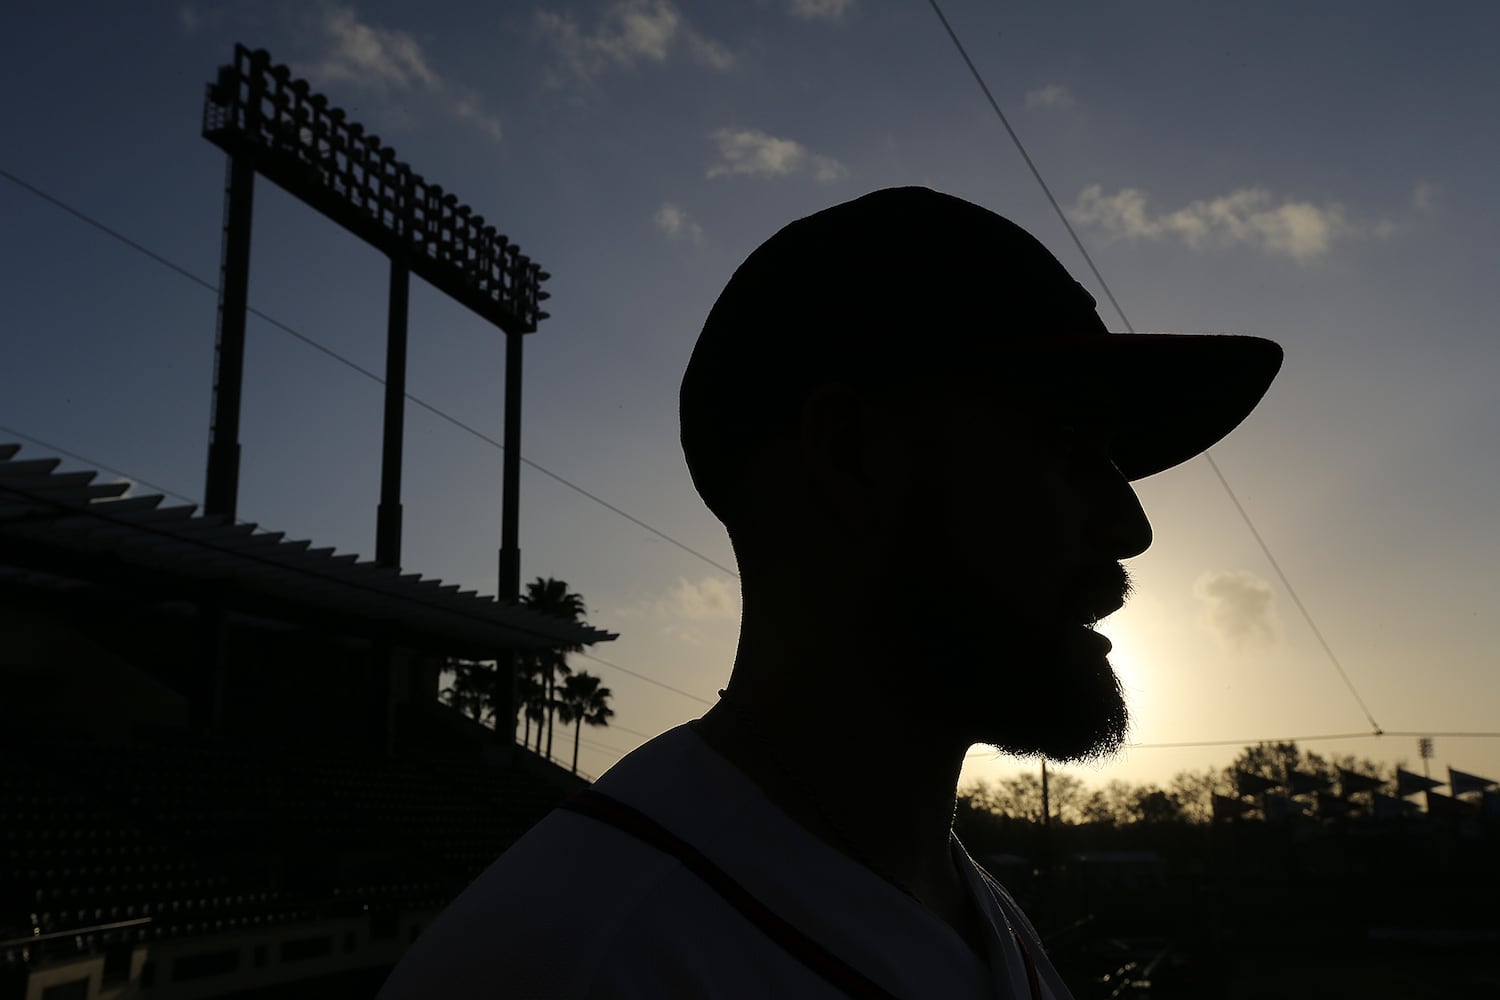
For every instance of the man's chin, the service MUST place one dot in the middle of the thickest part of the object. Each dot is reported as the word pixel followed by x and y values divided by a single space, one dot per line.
pixel 1072 710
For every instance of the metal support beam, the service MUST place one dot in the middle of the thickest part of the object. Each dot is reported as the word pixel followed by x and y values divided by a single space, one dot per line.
pixel 221 493
pixel 388 514
pixel 509 584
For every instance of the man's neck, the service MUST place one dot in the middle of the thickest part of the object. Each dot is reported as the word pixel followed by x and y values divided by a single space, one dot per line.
pixel 853 771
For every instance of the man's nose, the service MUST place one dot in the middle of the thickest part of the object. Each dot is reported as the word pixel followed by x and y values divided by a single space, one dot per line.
pixel 1121 523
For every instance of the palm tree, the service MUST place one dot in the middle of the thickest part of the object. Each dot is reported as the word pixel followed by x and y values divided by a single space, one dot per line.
pixel 552 597
pixel 583 701
pixel 470 691
pixel 529 692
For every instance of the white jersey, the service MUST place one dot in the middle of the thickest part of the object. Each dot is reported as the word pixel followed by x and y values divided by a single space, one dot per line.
pixel 578 908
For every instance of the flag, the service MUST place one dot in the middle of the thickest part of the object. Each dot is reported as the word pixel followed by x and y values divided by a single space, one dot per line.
pixel 1390 807
pixel 1440 805
pixel 1247 783
pixel 1331 806
pixel 1227 808
pixel 1410 784
pixel 1352 781
pixel 1279 808
pixel 1461 782
pixel 1302 782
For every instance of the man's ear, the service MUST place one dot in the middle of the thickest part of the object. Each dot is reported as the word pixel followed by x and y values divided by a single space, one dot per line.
pixel 855 458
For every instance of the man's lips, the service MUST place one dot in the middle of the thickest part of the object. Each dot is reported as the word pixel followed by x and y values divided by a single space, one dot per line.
pixel 1093 636
pixel 1090 615
pixel 1100 639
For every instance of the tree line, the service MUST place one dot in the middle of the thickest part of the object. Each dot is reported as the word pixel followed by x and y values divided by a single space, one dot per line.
pixel 548 691
pixel 1186 798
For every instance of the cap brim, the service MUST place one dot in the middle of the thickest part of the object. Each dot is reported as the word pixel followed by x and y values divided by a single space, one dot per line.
pixel 1171 396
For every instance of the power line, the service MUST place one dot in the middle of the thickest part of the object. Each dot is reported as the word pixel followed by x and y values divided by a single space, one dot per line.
pixel 1439 734
pixel 648 680
pixel 633 732
pixel 1436 734
pixel 585 741
pixel 1374 726
pixel 1323 737
pixel 963 53
pixel 100 465
pixel 1245 743
pixel 285 328
pixel 87 461
pixel 1292 592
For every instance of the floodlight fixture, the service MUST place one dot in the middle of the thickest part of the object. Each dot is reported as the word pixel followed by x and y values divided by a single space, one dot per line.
pixel 260 113
pixel 275 125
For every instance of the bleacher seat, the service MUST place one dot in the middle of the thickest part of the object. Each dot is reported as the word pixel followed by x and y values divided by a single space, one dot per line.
pixel 201 839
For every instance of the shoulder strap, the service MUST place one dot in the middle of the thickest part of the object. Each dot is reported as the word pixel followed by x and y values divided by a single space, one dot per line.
pixel 818 959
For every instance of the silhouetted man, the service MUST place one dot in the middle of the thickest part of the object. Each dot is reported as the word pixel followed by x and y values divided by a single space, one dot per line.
pixel 920 438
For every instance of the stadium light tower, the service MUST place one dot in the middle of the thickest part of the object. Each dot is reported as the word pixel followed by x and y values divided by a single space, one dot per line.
pixel 273 124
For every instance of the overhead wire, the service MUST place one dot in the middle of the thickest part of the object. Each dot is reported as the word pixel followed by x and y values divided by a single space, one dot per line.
pixel 311 342
pixel 585 655
pixel 1052 200
pixel 286 328
pixel 11 431
pixel 993 753
pixel 88 461
pixel 648 680
pixel 1313 739
pixel 1104 285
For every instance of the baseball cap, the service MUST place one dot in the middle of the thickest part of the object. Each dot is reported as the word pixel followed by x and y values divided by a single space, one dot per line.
pixel 909 282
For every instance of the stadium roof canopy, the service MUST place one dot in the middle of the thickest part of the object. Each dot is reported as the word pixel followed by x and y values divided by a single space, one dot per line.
pixel 60 531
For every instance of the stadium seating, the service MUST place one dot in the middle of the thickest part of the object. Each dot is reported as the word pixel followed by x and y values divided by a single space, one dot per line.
pixel 176 838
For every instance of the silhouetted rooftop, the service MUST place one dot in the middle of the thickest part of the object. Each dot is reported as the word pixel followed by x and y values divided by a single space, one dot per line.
pixel 62 531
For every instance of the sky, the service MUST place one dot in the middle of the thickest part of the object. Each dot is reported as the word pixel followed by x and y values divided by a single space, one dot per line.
pixel 1322 175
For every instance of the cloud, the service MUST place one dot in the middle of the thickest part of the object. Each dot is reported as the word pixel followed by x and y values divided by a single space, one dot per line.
pixel 710 599
pixel 465 109
pixel 385 61
pixel 1244 217
pixel 1424 196
pixel 820 10
pixel 372 57
pixel 1052 97
pixel 674 222
pixel 194 16
pixel 684 636
pixel 1239 608
pixel 629 33
pixel 754 153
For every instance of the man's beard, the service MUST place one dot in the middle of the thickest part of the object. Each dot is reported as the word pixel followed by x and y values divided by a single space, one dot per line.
pixel 1026 687
pixel 1063 702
